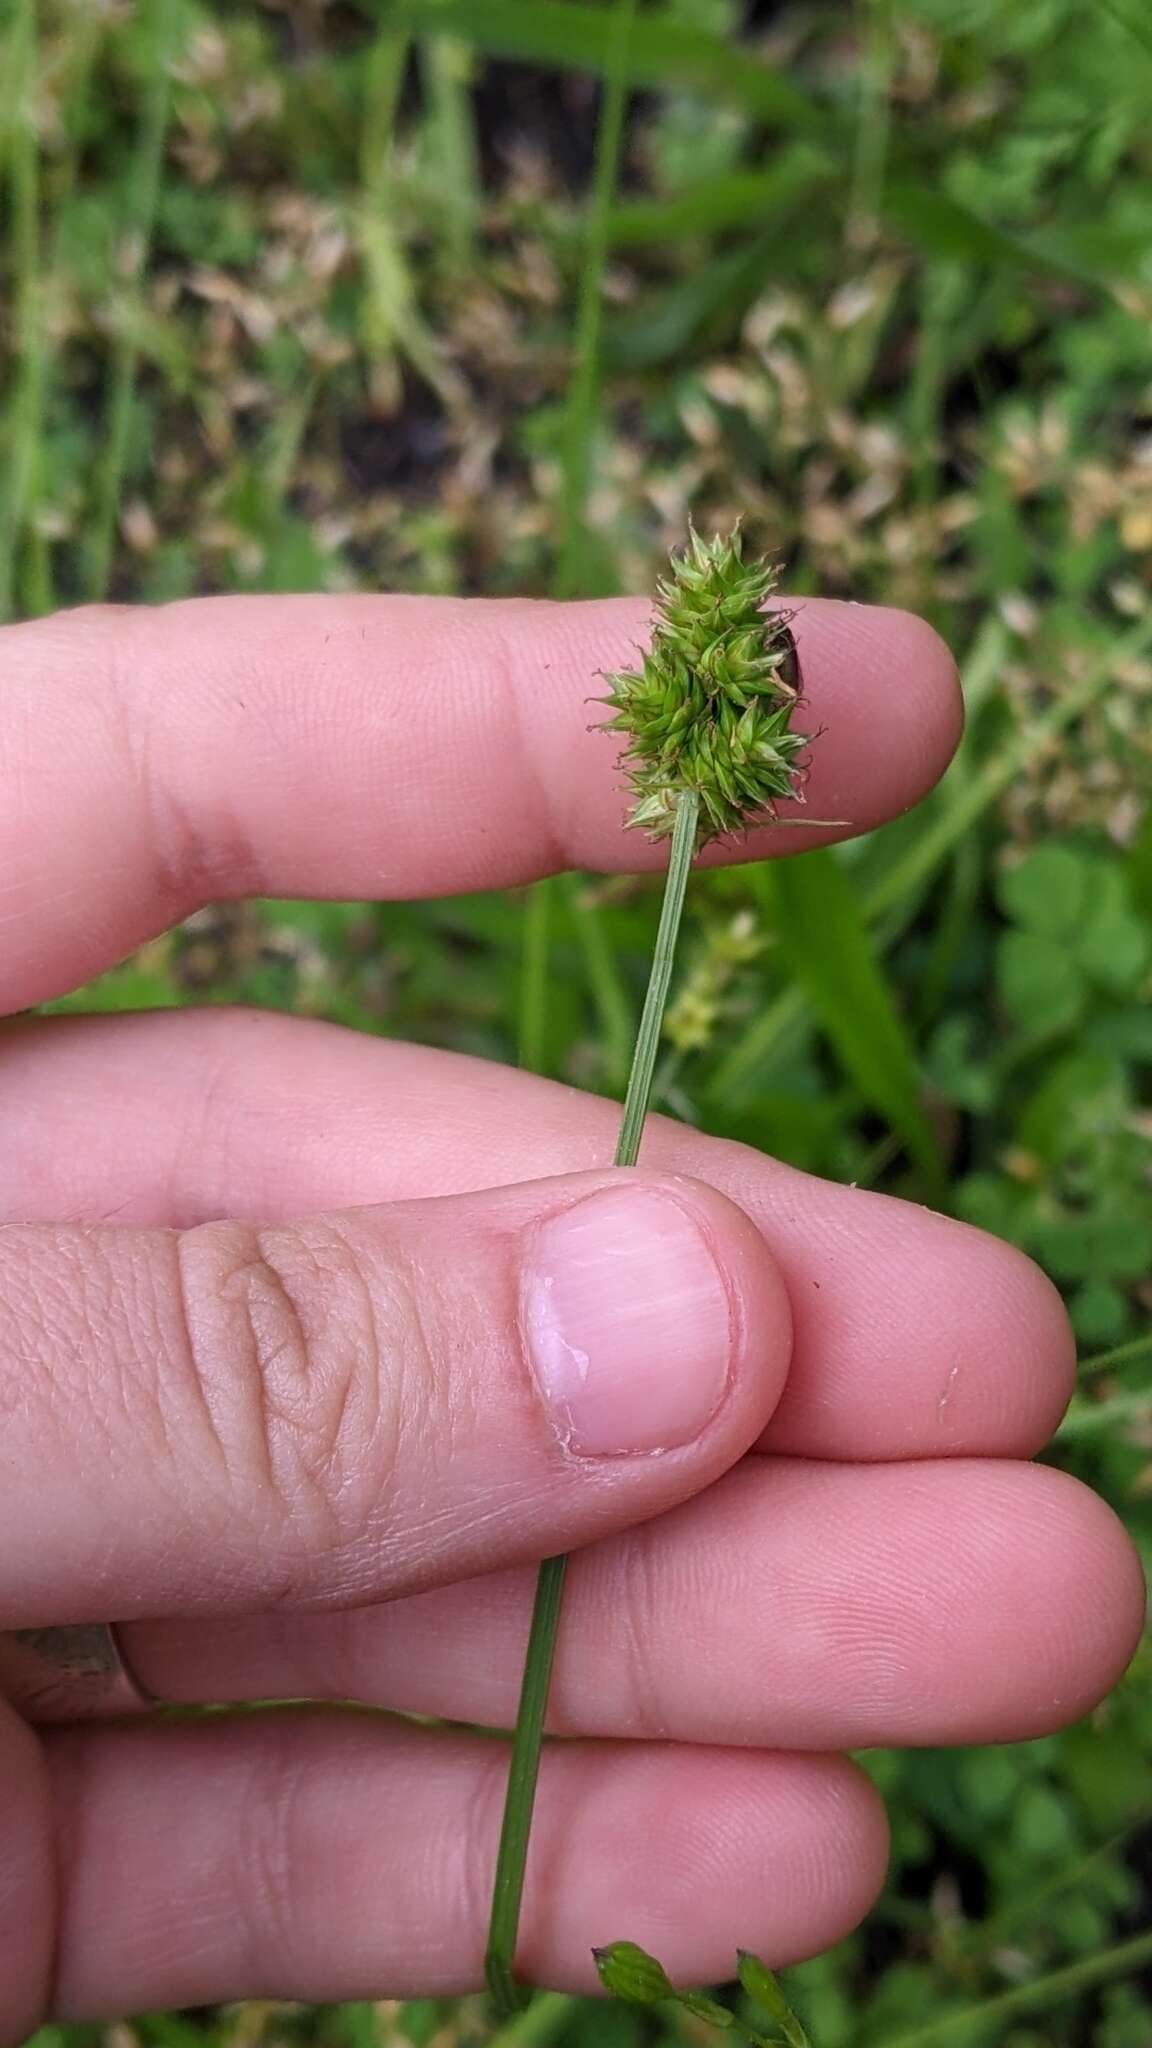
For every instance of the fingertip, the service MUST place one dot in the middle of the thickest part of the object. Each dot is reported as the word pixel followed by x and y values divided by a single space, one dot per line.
pixel 1014 1348
pixel 1036 1321
pixel 968 1347
pixel 843 1808
pixel 779 1854
pixel 927 713
pixel 1028 1615
pixel 884 690
pixel 1088 1570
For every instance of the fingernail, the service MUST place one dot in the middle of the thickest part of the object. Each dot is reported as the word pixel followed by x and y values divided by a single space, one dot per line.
pixel 628 1323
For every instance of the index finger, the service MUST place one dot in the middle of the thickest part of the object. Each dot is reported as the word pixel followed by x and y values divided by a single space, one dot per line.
pixel 153 760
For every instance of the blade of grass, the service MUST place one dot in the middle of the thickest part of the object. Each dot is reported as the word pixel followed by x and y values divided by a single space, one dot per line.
pixel 26 403
pixel 665 53
pixel 87 29
pixel 446 64
pixel 144 194
pixel 609 996
pixel 532 1034
pixel 1082 252
pixel 1120 1354
pixel 942 290
pixel 873 119
pixel 1123 1960
pixel 392 324
pixel 945 227
pixel 959 887
pixel 583 388
pixel 822 935
pixel 1136 24
pixel 729 200
pixel 579 431
pixel 706 307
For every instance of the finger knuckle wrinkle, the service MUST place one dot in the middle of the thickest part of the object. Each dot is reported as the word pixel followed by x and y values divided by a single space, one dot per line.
pixel 282 1335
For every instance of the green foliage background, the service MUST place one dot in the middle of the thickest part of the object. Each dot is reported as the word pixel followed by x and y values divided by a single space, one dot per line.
pixel 305 295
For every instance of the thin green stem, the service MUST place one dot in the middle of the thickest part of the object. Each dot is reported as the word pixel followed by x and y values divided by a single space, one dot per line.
pixel 1120 1961
pixel 1023 1906
pixel 1090 1418
pixel 142 220
pixel 639 1092
pixel 520 1798
pixel 527 1739
pixel 1120 1354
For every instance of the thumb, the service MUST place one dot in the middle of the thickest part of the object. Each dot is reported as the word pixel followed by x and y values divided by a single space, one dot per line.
pixel 373 1402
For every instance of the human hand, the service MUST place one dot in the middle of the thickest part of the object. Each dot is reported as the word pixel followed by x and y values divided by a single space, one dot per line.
pixel 315 1460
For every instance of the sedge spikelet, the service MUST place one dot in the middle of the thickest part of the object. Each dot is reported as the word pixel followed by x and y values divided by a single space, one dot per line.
pixel 711 705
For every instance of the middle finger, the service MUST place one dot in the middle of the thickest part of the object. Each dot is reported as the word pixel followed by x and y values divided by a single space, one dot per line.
pixel 914 1336
pixel 793 1606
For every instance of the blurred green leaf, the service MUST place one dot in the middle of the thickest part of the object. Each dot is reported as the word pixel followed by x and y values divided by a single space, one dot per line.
pixel 1099 1312
pixel 952 231
pixel 1040 984
pixel 665 52
pixel 1113 946
pixel 731 199
pixel 709 303
pixel 823 937
pixel 1046 891
pixel 1079 1094
pixel 764 1988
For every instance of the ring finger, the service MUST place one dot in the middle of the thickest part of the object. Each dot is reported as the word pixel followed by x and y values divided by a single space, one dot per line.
pixel 793 1605
pixel 187 1116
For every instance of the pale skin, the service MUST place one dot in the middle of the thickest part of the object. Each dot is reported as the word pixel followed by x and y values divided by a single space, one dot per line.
pixel 312 1459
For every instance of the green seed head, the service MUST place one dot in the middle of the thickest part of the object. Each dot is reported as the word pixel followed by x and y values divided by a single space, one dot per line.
pixel 710 707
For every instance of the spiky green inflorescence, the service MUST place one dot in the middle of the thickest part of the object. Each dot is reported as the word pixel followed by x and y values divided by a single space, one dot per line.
pixel 710 708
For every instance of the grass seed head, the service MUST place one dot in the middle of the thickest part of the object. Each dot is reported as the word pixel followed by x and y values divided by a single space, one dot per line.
pixel 710 707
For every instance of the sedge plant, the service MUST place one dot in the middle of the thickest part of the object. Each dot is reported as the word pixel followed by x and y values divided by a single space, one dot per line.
pixel 708 750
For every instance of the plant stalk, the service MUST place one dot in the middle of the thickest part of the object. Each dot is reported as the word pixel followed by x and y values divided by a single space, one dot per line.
pixel 21 56
pixel 507 1994
pixel 144 197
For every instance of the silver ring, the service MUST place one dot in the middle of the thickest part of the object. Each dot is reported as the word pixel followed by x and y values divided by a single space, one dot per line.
pixel 74 1673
